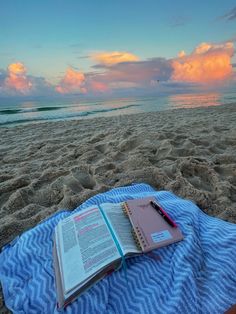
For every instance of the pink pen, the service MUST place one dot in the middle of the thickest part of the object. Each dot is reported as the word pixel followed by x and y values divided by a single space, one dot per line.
pixel 165 216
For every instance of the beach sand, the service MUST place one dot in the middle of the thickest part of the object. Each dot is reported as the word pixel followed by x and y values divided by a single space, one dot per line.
pixel 46 167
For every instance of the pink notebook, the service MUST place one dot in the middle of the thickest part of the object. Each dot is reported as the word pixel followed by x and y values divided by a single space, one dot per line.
pixel 152 227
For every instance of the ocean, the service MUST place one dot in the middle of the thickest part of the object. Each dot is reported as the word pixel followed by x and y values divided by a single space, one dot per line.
pixel 22 112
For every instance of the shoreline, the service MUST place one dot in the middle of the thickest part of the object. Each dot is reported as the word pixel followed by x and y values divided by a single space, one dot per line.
pixel 46 167
pixel 184 101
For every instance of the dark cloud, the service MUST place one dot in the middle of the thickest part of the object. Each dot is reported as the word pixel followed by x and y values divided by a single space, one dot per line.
pixel 137 71
pixel 134 76
pixel 83 57
pixel 230 16
pixel 40 86
pixel 3 75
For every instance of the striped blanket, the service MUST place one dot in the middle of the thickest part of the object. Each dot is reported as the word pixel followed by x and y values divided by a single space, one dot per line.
pixel 196 275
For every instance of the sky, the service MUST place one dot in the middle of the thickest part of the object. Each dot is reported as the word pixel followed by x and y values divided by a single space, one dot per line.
pixel 92 47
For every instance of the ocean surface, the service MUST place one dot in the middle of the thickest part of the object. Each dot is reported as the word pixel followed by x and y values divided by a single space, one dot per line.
pixel 21 112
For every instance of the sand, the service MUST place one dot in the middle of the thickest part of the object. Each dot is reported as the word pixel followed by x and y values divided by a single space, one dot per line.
pixel 46 167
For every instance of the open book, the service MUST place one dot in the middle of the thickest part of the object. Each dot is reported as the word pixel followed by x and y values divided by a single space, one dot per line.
pixel 93 242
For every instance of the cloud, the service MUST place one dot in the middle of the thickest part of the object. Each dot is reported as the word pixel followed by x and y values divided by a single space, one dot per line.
pixel 83 57
pixel 129 78
pixel 111 58
pixel 73 81
pixel 181 54
pixel 3 75
pixel 231 15
pixel 96 86
pixel 140 73
pixel 17 82
pixel 208 63
pixel 16 79
pixel 123 73
pixel 17 68
pixel 40 86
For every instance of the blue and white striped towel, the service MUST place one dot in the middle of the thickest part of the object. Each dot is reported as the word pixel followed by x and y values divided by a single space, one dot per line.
pixel 196 275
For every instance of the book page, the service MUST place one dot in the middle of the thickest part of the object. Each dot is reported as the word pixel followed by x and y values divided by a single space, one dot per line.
pixel 121 227
pixel 85 246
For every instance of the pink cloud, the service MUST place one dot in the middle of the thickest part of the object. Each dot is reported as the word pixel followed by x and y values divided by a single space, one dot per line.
pixel 97 86
pixel 208 63
pixel 16 79
pixel 73 81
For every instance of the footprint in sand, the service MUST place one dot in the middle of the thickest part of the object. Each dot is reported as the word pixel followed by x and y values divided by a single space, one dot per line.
pixel 84 177
pixel 199 174
pixel 102 148
pixel 128 144
pixel 104 168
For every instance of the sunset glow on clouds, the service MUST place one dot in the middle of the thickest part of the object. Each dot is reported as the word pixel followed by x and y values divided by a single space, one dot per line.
pixel 116 47
pixel 73 81
pixel 207 64
pixel 16 79
pixel 138 74
pixel 97 86
pixel 111 58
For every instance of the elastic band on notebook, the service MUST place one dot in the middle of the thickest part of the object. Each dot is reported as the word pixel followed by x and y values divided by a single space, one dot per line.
pixel 116 242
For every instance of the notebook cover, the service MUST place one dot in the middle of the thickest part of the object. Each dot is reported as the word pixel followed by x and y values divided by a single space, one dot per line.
pixel 150 230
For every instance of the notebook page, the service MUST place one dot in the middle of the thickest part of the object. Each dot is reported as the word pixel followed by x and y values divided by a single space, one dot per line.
pixel 121 227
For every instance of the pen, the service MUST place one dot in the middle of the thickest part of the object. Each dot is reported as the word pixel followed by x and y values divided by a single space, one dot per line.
pixel 165 216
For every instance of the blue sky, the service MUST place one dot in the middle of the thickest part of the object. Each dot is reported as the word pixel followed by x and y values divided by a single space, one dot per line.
pixel 50 36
